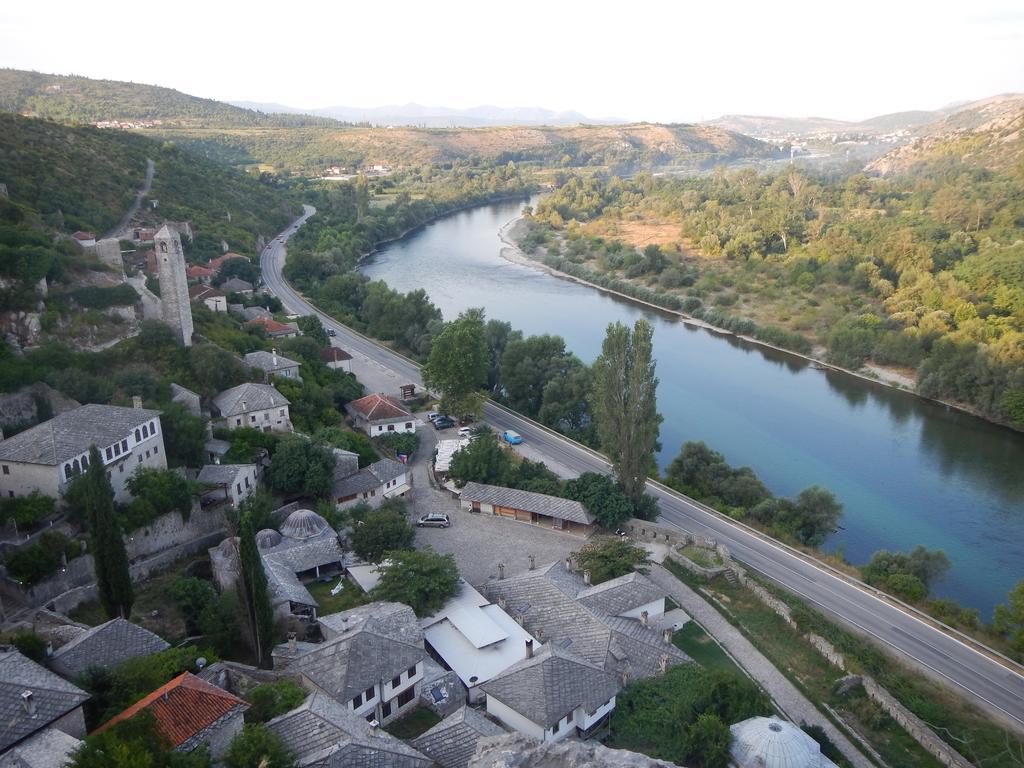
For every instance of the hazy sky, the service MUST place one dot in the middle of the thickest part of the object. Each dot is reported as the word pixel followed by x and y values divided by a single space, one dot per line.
pixel 659 61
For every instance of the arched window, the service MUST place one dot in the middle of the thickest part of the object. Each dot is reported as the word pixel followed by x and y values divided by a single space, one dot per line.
pixel 85 462
pixel 77 468
pixel 145 430
pixel 138 436
pixel 67 471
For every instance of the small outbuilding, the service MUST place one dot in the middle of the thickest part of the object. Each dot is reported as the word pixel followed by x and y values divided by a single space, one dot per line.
pixel 768 742
pixel 529 507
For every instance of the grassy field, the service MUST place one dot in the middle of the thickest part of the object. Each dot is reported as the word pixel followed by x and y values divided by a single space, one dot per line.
pixel 705 558
pixel 349 597
pixel 701 647
pixel 413 724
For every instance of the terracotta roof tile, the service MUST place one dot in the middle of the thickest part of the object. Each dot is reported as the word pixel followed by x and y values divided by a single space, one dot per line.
pixel 379 406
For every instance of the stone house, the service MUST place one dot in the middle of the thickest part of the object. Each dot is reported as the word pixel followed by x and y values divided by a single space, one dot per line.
pixel 187 398
pixel 190 713
pixel 259 406
pixel 381 480
pixel 106 646
pixel 336 359
pixel 33 699
pixel 84 239
pixel 274 329
pixel 379 414
pixel 234 483
pixel 48 456
pixel 237 285
pixel 213 299
pixel 529 507
pixel 202 274
pixel 273 364
pixel 452 742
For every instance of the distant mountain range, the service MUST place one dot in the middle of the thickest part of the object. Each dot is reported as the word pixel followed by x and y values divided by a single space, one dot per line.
pixel 963 115
pixel 436 117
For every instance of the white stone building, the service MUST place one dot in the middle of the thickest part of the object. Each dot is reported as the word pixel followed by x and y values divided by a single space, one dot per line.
pixel 274 364
pixel 233 483
pixel 379 414
pixel 48 456
pixel 258 406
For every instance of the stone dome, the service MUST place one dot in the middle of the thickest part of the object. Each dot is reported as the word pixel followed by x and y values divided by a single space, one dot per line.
pixel 303 524
pixel 768 742
pixel 267 538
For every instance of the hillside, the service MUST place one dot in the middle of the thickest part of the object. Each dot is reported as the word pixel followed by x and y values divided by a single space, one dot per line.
pixel 72 99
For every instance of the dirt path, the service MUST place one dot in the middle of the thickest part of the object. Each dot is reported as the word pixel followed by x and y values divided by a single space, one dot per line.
pixel 122 226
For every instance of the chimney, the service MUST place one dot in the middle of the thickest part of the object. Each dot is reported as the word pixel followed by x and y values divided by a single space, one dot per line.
pixel 374 725
pixel 501 571
pixel 244 406
pixel 502 603
pixel 291 642
pixel 643 618
pixel 586 577
pixel 666 635
pixel 533 562
pixel 539 633
pixel 529 652
pixel 625 676
pixel 662 664
pixel 28 702
pixel 136 401
pixel 273 353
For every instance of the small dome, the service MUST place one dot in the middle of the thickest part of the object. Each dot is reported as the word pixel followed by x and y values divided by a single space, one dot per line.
pixel 267 538
pixel 767 742
pixel 227 549
pixel 303 524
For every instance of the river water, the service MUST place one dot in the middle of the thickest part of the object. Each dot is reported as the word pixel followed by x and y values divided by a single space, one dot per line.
pixel 907 471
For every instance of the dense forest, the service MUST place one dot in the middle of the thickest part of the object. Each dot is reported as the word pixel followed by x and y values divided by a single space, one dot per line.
pixel 923 271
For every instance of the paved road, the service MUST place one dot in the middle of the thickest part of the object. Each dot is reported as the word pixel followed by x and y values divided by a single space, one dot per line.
pixel 122 225
pixel 994 687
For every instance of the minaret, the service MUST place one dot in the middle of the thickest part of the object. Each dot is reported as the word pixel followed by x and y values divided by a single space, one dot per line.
pixel 176 309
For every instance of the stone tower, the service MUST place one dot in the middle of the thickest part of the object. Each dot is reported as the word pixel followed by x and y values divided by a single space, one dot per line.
pixel 176 309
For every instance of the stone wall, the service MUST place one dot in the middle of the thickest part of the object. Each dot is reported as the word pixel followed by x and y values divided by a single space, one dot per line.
pixel 171 530
pixel 826 649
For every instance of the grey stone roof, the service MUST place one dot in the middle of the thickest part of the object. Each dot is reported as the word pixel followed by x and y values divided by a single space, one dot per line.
pixel 48 748
pixel 269 362
pixel 236 284
pixel 546 600
pixel 552 684
pixel 369 478
pixel 257 397
pixel 616 596
pixel 368 653
pixel 223 474
pixel 52 696
pixel 395 620
pixel 106 646
pixel 452 742
pixel 217 447
pixel 528 501
pixel 251 313
pixel 323 734
pixel 70 434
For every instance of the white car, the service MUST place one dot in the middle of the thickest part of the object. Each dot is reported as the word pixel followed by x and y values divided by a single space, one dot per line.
pixel 465 432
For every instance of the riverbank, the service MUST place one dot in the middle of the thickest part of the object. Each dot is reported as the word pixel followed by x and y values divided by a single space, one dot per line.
pixel 512 231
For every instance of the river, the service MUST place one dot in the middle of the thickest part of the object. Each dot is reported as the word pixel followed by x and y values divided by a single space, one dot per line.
pixel 907 471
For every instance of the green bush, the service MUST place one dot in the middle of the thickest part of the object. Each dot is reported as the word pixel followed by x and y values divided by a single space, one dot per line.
pixel 272 699
pixel 95 297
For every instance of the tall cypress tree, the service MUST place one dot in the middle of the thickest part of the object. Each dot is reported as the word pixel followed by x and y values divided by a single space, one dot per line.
pixel 624 405
pixel 253 588
pixel 107 541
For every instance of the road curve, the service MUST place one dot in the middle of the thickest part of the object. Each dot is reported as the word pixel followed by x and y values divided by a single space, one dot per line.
pixel 997 688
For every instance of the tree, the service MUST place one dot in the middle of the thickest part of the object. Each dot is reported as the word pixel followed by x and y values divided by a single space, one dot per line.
pixel 161 490
pixel 26 510
pixel 422 579
pixel 243 269
pixel 135 743
pixel 603 498
pixel 311 326
pixel 623 403
pixel 219 624
pixel 384 529
pixel 256 747
pixel 707 741
pixel 498 334
pixel 907 575
pixel 482 461
pixel 458 364
pixel 527 367
pixel 813 516
pixel 272 699
pixel 346 439
pixel 610 558
pixel 110 559
pixel 215 369
pixel 192 596
pixel 184 435
pixel 301 467
pixel 1008 619
pixel 253 588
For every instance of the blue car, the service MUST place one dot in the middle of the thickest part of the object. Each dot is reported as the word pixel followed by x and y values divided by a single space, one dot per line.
pixel 512 438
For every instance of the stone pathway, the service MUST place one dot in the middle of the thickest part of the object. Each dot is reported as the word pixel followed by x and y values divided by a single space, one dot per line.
pixel 794 704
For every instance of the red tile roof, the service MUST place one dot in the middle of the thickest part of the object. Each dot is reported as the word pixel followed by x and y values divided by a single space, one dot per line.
pixel 196 271
pixel 379 406
pixel 334 355
pixel 270 325
pixel 182 708
pixel 80 235
pixel 216 264
pixel 203 292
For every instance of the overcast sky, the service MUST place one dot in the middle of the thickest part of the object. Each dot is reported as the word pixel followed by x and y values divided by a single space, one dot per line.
pixel 658 61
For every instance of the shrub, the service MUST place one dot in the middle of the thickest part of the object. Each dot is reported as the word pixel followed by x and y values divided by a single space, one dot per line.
pixel 272 699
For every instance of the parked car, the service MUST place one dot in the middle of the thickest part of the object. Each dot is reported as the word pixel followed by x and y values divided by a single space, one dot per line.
pixel 331 332
pixel 512 438
pixel 434 520
pixel 443 423
pixel 465 432
pixel 434 416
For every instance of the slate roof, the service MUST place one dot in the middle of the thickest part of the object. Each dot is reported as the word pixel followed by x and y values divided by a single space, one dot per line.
pixel 185 710
pixel 323 733
pixel 106 646
pixel 269 362
pixel 223 474
pixel 369 650
pixel 257 397
pixel 368 478
pixel 236 285
pixel 546 600
pixel 48 748
pixel 53 697
pixel 251 313
pixel 528 501
pixel 617 596
pixel 379 407
pixel 452 742
pixel 217 447
pixel 70 434
pixel 552 684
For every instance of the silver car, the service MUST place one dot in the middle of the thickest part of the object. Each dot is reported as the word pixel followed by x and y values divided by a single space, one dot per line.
pixel 434 520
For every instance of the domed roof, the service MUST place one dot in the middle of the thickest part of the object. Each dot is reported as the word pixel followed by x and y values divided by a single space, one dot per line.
pixel 767 742
pixel 303 524
pixel 227 549
pixel 267 538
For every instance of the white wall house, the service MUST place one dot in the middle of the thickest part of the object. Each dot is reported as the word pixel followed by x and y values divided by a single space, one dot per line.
pixel 379 414
pixel 48 456
pixel 232 482
pixel 373 484
pixel 273 364
pixel 258 406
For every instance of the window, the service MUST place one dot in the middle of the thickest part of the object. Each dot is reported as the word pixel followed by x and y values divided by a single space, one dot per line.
pixel 238 487
pixel 391 427
pixel 10 494
pixel 124 445
pixel 369 694
pixel 145 431
pixel 281 413
pixel 140 459
pixel 406 696
pixel 152 428
pixel 246 484
pixel 556 727
pixel 120 468
pixel 138 436
pixel 408 425
pixel 357 702
pixel 110 454
pixel 147 454
pixel 238 422
pixel 266 416
pixel 373 493
pixel 253 418
pixel 7 470
pixel 396 681
pixel 67 471
pixel 156 449
pixel 569 717
pixel 385 711
pixel 411 672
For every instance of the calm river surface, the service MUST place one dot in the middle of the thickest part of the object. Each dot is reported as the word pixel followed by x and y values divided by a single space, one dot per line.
pixel 907 471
